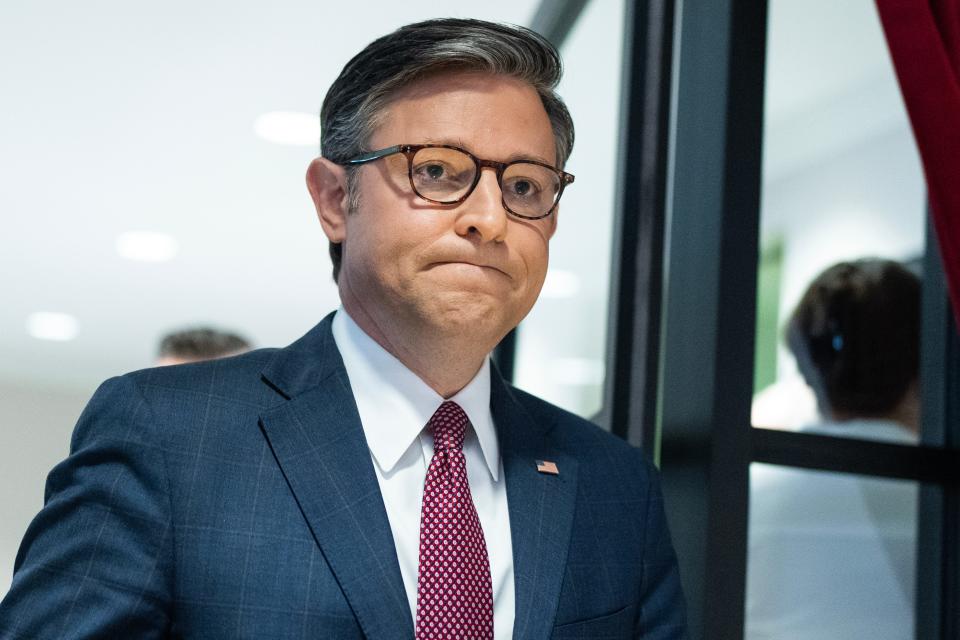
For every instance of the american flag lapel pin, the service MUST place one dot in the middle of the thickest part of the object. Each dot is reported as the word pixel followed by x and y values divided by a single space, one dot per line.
pixel 545 466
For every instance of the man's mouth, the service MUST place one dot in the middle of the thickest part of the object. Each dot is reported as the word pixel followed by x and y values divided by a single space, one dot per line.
pixel 468 264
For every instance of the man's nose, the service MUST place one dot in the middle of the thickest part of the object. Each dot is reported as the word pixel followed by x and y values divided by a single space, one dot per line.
pixel 482 213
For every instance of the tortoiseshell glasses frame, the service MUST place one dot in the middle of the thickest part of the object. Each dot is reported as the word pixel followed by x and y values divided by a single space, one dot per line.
pixel 409 151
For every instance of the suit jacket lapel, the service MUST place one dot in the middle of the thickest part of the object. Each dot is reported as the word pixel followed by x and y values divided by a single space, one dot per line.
pixel 541 511
pixel 318 441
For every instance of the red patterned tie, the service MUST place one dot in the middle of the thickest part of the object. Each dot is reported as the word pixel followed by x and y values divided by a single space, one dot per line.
pixel 454 591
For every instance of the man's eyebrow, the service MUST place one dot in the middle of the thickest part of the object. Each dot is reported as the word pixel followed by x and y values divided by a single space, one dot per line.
pixel 457 142
pixel 522 156
pixel 453 142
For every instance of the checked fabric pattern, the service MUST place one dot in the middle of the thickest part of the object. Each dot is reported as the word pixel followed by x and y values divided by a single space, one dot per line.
pixel 454 589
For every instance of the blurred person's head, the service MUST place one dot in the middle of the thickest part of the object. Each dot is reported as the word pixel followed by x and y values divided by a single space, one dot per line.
pixel 856 336
pixel 199 343
pixel 464 263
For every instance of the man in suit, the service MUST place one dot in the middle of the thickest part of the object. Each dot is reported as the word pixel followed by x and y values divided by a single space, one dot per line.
pixel 377 478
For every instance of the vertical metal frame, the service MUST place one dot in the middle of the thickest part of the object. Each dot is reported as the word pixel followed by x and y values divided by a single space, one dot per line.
pixel 633 336
pixel 710 300
pixel 938 536
pixel 554 19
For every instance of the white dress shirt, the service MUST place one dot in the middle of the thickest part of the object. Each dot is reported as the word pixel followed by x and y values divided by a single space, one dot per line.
pixel 394 406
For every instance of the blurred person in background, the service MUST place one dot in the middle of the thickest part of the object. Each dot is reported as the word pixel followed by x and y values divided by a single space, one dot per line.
pixel 831 555
pixel 199 343
pixel 856 337
pixel 378 478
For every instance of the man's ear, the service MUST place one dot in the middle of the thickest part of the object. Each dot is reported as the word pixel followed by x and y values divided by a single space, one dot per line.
pixel 327 183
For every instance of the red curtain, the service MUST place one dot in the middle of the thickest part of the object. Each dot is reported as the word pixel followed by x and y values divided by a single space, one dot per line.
pixel 924 41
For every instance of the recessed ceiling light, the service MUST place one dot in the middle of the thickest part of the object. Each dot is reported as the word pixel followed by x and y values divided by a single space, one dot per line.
pixel 289 127
pixel 48 325
pixel 147 246
pixel 560 284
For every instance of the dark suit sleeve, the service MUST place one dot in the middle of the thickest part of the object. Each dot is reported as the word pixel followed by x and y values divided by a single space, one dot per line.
pixel 96 561
pixel 662 614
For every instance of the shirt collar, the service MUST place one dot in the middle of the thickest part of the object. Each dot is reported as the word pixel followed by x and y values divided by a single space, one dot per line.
pixel 395 404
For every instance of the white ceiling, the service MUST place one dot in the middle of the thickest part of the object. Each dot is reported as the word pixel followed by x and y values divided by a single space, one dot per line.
pixel 120 115
pixel 830 84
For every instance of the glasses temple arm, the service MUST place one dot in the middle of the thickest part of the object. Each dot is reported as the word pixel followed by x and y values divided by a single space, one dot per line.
pixel 375 155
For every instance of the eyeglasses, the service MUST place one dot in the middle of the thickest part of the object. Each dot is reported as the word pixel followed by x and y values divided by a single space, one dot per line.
pixel 448 175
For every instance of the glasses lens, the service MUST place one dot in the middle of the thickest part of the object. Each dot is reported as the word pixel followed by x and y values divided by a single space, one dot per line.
pixel 529 189
pixel 443 175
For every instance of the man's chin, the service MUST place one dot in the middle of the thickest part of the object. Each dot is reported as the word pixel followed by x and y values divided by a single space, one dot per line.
pixel 471 315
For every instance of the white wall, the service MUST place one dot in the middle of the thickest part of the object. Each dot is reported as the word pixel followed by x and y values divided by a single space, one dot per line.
pixel 34 436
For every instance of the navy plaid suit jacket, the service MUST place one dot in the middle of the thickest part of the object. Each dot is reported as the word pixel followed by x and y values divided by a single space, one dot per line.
pixel 237 499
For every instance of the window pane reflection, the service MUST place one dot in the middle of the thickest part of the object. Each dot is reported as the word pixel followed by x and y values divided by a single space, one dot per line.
pixel 841 182
pixel 831 555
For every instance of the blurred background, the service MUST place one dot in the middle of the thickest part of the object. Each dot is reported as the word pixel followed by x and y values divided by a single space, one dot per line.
pixel 152 161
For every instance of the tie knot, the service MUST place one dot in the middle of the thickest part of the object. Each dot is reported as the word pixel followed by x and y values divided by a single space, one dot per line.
pixel 448 425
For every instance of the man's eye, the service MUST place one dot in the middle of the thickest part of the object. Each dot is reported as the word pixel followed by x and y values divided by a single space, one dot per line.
pixel 523 187
pixel 432 171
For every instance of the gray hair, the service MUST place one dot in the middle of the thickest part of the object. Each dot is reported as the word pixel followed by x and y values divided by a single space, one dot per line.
pixel 357 99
